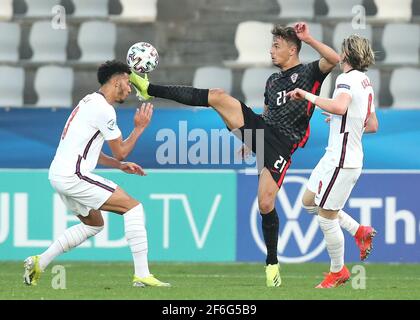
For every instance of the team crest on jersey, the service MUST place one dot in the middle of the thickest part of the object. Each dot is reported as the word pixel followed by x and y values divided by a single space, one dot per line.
pixel 294 77
pixel 111 124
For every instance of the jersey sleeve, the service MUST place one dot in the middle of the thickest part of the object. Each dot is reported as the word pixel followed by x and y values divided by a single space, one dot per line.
pixel 106 122
pixel 343 84
pixel 316 72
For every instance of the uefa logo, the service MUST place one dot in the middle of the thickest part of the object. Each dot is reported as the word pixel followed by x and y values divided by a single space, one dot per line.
pixel 300 238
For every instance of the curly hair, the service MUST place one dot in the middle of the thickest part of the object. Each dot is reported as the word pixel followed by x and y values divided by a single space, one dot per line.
pixel 110 68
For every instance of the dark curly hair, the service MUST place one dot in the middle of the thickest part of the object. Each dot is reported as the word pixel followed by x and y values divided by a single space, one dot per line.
pixel 288 34
pixel 110 68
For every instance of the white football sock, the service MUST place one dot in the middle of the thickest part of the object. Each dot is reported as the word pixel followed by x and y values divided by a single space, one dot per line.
pixel 71 238
pixel 311 209
pixel 334 238
pixel 347 222
pixel 135 233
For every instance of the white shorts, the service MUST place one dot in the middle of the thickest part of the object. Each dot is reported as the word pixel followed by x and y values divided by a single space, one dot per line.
pixel 83 193
pixel 332 185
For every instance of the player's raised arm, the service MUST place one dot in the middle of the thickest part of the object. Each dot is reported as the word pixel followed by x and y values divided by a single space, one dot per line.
pixel 122 148
pixel 329 59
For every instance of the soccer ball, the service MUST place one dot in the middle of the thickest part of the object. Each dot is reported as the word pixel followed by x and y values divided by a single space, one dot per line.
pixel 142 57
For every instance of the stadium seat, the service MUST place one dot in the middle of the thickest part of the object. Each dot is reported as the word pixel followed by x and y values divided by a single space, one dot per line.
pixel 97 48
pixel 253 85
pixel 343 30
pixel 9 41
pixel 48 44
pixel 253 41
pixel 40 8
pixel 401 42
pixel 326 87
pixel 12 83
pixel 138 11
pixel 213 77
pixel 6 9
pixel 390 10
pixel 53 93
pixel 375 79
pixel 296 8
pixel 405 88
pixel 307 53
pixel 341 9
pixel 91 8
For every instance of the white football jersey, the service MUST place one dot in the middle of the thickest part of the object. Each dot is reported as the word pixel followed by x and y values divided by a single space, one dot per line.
pixel 91 123
pixel 345 148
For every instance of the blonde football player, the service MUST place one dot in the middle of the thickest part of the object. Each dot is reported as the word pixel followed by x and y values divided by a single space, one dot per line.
pixel 352 114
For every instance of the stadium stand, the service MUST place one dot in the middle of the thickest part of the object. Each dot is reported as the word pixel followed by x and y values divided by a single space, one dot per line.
pixel 53 93
pixel 341 9
pixel 307 53
pixel 253 85
pixel 401 42
pixel 213 77
pixel 343 30
pixel 296 9
pixel 387 9
pixel 91 8
pixel 12 81
pixel 137 11
pixel 40 8
pixel 405 88
pixel 6 10
pixel 326 87
pixel 9 41
pixel 203 35
pixel 97 41
pixel 48 44
pixel 253 51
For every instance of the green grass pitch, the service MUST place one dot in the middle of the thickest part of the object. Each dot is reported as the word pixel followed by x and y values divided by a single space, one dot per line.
pixel 207 281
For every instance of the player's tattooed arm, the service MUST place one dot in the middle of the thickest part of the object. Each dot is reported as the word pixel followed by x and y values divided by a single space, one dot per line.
pixel 329 59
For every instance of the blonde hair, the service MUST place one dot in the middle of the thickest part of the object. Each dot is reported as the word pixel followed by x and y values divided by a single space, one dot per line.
pixel 358 52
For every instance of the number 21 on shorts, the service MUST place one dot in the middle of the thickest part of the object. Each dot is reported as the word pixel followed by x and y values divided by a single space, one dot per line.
pixel 280 164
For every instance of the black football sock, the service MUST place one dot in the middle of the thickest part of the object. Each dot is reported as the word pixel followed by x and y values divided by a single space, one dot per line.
pixel 182 94
pixel 270 228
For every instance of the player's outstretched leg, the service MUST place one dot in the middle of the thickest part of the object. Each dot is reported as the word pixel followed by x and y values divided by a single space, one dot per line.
pixel 71 238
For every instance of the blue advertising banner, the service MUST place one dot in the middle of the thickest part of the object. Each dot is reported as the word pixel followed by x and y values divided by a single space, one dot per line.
pixel 197 138
pixel 386 200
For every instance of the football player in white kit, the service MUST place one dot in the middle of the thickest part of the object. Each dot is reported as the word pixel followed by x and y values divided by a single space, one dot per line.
pixel 352 113
pixel 92 122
